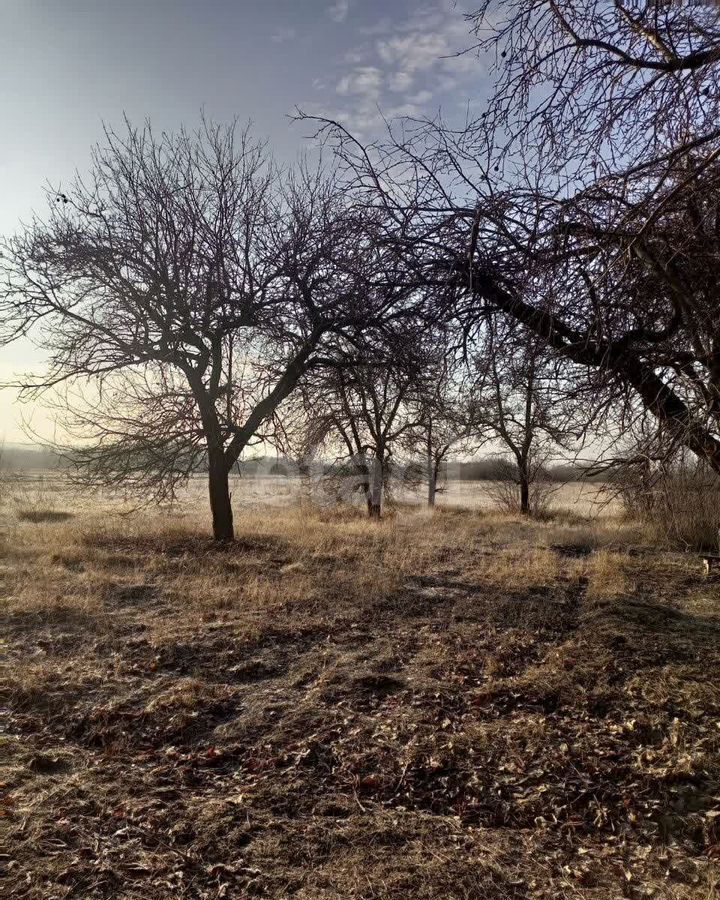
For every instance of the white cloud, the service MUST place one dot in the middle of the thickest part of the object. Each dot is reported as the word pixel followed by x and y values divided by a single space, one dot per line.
pixel 358 55
pixel 404 110
pixel 339 10
pixel 447 82
pixel 432 38
pixel 365 81
pixel 422 97
pixel 283 34
pixel 414 51
pixel 384 26
pixel 407 67
pixel 400 81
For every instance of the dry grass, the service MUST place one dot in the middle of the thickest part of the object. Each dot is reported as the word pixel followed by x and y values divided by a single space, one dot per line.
pixel 464 705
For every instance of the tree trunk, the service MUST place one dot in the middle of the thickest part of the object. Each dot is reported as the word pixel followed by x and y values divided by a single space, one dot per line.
pixel 524 492
pixel 376 489
pixel 432 481
pixel 368 498
pixel 219 485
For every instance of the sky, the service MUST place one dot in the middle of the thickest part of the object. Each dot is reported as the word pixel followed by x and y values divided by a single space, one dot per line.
pixel 68 66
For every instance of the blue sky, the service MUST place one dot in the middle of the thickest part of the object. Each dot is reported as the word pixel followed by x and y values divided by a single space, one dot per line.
pixel 67 66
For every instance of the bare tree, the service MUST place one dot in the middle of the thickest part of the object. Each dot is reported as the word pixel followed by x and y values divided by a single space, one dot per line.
pixel 181 291
pixel 582 204
pixel 364 415
pixel 445 413
pixel 597 86
pixel 370 418
pixel 617 105
pixel 520 401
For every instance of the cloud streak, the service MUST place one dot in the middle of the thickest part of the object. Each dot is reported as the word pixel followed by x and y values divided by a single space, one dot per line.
pixel 339 10
pixel 283 34
pixel 403 67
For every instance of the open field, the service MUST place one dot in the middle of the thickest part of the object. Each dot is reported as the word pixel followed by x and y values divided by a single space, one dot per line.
pixel 51 490
pixel 462 705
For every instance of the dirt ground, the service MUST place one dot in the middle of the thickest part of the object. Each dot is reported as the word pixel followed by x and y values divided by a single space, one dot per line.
pixel 462 705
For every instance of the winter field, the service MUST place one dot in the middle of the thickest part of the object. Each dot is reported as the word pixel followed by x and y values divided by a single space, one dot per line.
pixel 458 704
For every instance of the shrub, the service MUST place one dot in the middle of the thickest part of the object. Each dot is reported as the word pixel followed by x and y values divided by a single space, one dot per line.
pixel 43 515
pixel 680 503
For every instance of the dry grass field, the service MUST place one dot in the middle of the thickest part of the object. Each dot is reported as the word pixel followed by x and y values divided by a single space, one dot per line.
pixel 457 705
